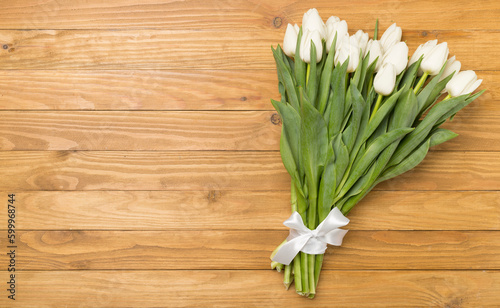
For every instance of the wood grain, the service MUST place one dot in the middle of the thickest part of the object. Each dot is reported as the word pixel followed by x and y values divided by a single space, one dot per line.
pixel 201 170
pixel 210 49
pixel 164 90
pixel 139 139
pixel 240 14
pixel 143 250
pixel 208 130
pixel 137 131
pixel 215 288
pixel 138 89
pixel 244 210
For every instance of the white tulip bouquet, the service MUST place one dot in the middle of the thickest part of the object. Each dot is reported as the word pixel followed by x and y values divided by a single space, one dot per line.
pixel 355 112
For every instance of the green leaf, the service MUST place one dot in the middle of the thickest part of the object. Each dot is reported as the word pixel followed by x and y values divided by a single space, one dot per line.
pixel 407 164
pixel 313 142
pixel 410 75
pixel 300 66
pixel 359 75
pixel 405 111
pixel 415 138
pixel 341 157
pixel 287 79
pixel 326 77
pixel 360 184
pixel 327 186
pixel 290 140
pixel 425 96
pixel 368 83
pixel 357 102
pixel 312 83
pixel 381 114
pixel 370 154
pixel 339 92
pixel 459 106
pixel 441 135
pixel 436 93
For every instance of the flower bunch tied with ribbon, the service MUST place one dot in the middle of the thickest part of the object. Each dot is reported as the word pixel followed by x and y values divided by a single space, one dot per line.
pixel 356 111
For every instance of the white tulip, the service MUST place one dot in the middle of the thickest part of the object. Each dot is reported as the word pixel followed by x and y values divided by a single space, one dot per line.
pixel 434 60
pixel 397 55
pixel 332 28
pixel 312 21
pixel 362 38
pixel 290 40
pixel 385 79
pixel 463 83
pixel 332 20
pixel 422 50
pixel 348 49
pixel 452 66
pixel 391 36
pixel 305 46
pixel 375 50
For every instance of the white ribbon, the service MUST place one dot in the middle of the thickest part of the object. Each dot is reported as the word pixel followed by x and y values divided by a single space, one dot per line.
pixel 310 241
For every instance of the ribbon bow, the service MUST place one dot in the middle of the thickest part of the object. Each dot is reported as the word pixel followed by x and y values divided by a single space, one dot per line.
pixel 310 241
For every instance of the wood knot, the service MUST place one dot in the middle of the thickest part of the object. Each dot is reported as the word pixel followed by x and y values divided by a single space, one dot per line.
pixel 424 33
pixel 243 98
pixel 276 119
pixel 277 22
pixel 213 195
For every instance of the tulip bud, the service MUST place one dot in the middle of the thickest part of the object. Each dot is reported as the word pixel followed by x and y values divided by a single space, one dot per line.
pixel 452 66
pixel 434 60
pixel 422 50
pixel 348 49
pixel 390 37
pixel 332 20
pixel 312 21
pixel 362 39
pixel 385 80
pixel 375 50
pixel 463 83
pixel 339 28
pixel 290 40
pixel 397 55
pixel 305 46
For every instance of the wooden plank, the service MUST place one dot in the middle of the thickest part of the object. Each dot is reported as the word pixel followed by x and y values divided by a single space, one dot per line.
pixel 163 90
pixel 137 131
pixel 206 210
pixel 233 131
pixel 211 14
pixel 232 288
pixel 210 49
pixel 201 170
pixel 144 250
pixel 138 89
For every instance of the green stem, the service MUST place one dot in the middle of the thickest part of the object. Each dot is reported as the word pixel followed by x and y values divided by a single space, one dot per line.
pixel 293 194
pixel 311 263
pixel 375 35
pixel 311 223
pixel 305 274
pixel 287 277
pixel 277 266
pixel 370 85
pixel 297 274
pixel 420 82
pixel 447 97
pixel 317 270
pixel 308 72
pixel 377 105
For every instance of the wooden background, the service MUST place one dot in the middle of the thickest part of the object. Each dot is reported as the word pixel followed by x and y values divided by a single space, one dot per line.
pixel 141 145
